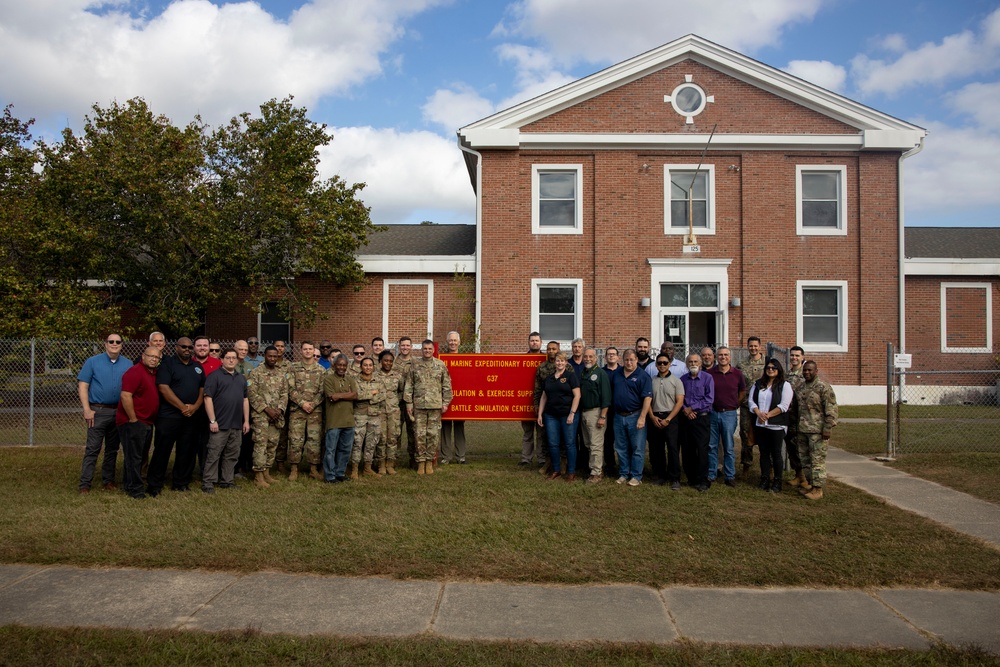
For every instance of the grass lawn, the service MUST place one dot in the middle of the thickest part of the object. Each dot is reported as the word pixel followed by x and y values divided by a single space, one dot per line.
pixel 107 648
pixel 486 521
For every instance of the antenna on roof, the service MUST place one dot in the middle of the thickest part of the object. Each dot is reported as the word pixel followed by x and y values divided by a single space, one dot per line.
pixel 690 238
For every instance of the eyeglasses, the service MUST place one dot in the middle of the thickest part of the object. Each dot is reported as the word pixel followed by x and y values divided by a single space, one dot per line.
pixel 185 347
pixel 114 342
pixel 151 356
pixel 772 368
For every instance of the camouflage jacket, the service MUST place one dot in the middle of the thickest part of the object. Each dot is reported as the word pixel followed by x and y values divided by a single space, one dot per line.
pixel 305 384
pixel 392 383
pixel 267 388
pixel 371 395
pixel 752 371
pixel 428 385
pixel 817 407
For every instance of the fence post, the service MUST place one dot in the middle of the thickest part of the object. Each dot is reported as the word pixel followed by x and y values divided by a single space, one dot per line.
pixel 889 445
pixel 31 398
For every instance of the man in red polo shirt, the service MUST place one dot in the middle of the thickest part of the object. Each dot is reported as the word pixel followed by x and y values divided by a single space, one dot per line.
pixel 730 391
pixel 138 407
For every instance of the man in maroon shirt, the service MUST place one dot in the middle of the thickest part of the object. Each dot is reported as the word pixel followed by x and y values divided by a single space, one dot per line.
pixel 139 405
pixel 730 390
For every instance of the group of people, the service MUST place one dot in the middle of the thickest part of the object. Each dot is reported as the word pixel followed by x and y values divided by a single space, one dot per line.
pixel 685 413
pixel 235 409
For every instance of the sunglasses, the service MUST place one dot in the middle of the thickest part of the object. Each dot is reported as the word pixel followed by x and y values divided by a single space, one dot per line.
pixel 662 363
pixel 772 368
pixel 114 342
pixel 215 349
pixel 359 354
pixel 185 347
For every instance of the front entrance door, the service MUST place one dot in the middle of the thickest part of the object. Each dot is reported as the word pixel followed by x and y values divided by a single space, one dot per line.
pixel 692 330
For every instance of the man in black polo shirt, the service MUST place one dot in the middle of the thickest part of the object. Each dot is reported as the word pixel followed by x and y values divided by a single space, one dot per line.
pixel 730 390
pixel 181 381
pixel 228 412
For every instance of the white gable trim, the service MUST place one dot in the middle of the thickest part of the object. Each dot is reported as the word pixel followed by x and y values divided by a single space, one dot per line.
pixel 702 51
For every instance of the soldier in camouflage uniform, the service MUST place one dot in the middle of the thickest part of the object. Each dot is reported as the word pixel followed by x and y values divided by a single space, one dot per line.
pixel 281 452
pixel 392 385
pixel 796 356
pixel 817 417
pixel 753 369
pixel 305 412
pixel 371 395
pixel 427 394
pixel 267 390
pixel 402 364
pixel 544 370
pixel 354 368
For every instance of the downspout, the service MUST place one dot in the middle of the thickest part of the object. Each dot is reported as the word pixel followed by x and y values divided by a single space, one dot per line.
pixel 902 248
pixel 479 236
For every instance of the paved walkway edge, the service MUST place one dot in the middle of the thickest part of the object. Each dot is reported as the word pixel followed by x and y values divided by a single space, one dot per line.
pixel 273 602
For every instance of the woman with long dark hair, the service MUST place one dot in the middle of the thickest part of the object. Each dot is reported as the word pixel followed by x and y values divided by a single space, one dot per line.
pixel 769 400
pixel 557 413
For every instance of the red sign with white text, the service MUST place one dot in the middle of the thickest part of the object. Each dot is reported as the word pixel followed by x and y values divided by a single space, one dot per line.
pixel 492 387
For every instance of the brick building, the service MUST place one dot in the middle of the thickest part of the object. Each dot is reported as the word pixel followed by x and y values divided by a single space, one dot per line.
pixel 585 196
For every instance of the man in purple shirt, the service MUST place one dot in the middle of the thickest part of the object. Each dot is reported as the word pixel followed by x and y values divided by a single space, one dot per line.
pixel 699 395
pixel 730 391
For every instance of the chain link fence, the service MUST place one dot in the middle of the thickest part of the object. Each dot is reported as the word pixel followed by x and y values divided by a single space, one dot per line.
pixel 943 404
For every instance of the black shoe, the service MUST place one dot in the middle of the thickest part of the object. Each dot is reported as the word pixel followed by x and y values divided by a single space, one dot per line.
pixel 776 487
pixel 335 480
pixel 731 482
pixel 153 492
pixel 660 482
pixel 180 488
pixel 764 485
pixel 226 485
pixel 702 488
pixel 675 486
pixel 208 489
pixel 524 463
pixel 138 496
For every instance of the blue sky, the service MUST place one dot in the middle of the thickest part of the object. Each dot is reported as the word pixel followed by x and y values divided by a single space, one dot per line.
pixel 394 79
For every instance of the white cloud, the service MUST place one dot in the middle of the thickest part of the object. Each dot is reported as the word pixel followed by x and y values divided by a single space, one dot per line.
pixel 821 72
pixel 962 54
pixel 894 43
pixel 955 173
pixel 602 31
pixel 981 101
pixel 405 172
pixel 193 57
pixel 455 108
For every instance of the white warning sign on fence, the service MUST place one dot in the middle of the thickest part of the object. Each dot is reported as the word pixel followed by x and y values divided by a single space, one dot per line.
pixel 902 360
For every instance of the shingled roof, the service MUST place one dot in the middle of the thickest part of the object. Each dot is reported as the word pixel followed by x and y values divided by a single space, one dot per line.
pixel 422 240
pixel 953 242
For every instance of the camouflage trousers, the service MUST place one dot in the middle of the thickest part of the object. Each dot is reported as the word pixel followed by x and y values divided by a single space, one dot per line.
pixel 427 425
pixel 391 429
pixel 812 453
pixel 411 436
pixel 367 433
pixel 265 440
pixel 305 429
pixel 281 450
pixel 746 435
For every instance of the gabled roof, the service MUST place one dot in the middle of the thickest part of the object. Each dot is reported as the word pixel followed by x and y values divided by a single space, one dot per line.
pixel 422 240
pixel 876 130
pixel 952 243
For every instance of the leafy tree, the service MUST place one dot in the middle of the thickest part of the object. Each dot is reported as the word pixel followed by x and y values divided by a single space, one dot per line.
pixel 138 211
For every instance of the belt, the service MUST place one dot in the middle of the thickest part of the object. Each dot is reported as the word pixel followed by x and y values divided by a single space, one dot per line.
pixel 104 405
pixel 661 415
pixel 626 414
pixel 725 409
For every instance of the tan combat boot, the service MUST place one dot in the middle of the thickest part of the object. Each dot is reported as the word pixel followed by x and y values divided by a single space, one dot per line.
pixel 798 480
pixel 315 473
pixel 381 466
pixel 354 471
pixel 293 474
pixel 267 477
pixel 259 480
pixel 805 487
pixel 420 468
pixel 368 468
pixel 815 494
pixel 390 466
pixel 429 468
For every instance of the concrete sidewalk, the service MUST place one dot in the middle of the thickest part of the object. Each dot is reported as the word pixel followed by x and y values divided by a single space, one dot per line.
pixel 954 509
pixel 276 603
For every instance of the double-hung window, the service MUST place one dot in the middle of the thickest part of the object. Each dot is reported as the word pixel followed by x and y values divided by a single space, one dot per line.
pixel 821 200
pixel 555 199
pixel 689 190
pixel 556 310
pixel 822 315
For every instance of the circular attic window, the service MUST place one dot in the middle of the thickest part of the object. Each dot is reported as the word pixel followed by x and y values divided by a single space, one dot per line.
pixel 688 99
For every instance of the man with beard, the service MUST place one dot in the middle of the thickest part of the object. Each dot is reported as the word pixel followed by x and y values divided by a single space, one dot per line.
pixel 642 353
pixel 533 435
pixel 181 382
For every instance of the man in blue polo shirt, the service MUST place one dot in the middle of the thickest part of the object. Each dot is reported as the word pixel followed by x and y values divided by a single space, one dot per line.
pixel 100 385
pixel 631 394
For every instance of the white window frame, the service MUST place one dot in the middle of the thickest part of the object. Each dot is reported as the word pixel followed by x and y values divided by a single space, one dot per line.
pixel 577 285
pixel 536 226
pixel 988 288
pixel 429 284
pixel 841 286
pixel 841 228
pixel 709 230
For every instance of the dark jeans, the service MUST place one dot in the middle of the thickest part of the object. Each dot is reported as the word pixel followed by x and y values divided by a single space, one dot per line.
pixel 559 433
pixel 664 451
pixel 769 442
pixel 103 430
pixel 245 462
pixel 170 431
pixel 694 435
pixel 133 438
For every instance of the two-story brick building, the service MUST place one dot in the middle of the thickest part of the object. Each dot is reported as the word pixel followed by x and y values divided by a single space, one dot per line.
pixel 587 197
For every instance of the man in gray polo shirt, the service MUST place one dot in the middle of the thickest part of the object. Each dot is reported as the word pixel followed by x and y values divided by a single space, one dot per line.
pixel 228 413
